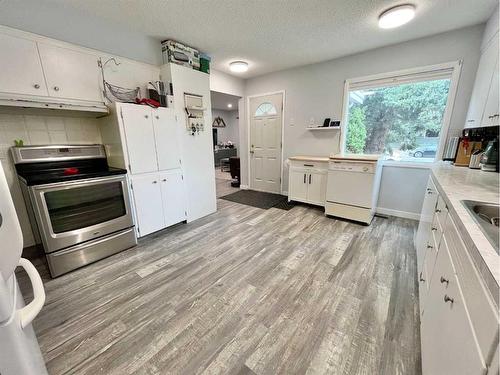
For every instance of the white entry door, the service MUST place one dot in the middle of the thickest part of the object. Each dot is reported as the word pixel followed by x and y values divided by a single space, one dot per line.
pixel 265 142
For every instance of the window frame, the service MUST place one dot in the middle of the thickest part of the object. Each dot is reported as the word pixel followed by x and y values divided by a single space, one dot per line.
pixel 454 66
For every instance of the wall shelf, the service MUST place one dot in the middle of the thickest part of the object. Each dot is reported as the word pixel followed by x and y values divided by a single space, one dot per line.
pixel 325 128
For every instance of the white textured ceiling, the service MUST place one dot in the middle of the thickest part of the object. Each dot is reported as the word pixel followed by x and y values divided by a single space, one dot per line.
pixel 278 34
pixel 220 101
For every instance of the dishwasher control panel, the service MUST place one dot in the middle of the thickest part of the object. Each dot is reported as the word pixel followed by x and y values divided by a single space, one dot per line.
pixel 364 167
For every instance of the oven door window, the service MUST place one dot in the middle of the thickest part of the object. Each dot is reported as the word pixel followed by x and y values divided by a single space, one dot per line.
pixel 84 206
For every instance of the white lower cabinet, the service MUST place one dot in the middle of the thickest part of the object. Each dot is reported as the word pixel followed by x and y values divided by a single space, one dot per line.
pixel 172 192
pixel 307 182
pixel 158 200
pixel 459 321
pixel 449 344
pixel 148 203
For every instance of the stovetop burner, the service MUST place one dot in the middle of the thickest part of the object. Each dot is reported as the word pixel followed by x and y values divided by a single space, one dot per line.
pixel 60 171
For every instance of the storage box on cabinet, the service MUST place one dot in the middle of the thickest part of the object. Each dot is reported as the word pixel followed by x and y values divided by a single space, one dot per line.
pixel 307 182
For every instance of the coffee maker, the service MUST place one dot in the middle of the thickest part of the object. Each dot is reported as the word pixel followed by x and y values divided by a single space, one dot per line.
pixel 489 160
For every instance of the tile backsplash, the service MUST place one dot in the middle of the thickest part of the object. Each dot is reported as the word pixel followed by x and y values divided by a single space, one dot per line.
pixel 39 130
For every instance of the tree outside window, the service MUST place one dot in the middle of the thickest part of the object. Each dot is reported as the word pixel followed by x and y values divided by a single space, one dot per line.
pixel 401 121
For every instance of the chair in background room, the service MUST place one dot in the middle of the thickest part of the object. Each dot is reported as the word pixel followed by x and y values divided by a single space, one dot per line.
pixel 234 166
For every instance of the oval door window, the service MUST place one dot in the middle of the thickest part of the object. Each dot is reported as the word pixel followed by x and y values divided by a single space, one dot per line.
pixel 265 109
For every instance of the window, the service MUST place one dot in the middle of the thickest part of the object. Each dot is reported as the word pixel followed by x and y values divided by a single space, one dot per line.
pixel 399 116
pixel 265 109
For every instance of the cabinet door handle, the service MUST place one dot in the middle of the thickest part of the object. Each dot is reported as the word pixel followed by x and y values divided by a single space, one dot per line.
pixel 304 178
pixel 448 299
pixel 164 180
pixel 434 229
pixel 36 86
pixel 438 210
pixel 430 246
pixel 56 88
pixel 421 278
pixel 157 117
pixel 146 116
pixel 155 182
pixel 310 177
pixel 430 192
pixel 443 280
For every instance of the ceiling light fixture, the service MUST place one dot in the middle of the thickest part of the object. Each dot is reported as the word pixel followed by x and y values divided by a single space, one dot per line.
pixel 396 16
pixel 229 105
pixel 238 66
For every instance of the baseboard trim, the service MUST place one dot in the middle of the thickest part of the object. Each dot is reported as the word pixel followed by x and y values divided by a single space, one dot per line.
pixel 244 187
pixel 402 214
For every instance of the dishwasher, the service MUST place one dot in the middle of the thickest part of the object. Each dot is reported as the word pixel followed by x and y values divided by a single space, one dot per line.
pixel 352 187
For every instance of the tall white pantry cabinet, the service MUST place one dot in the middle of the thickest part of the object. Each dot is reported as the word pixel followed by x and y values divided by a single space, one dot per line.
pixel 145 141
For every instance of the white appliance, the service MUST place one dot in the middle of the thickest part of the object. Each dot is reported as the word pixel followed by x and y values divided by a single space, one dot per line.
pixel 19 350
pixel 352 187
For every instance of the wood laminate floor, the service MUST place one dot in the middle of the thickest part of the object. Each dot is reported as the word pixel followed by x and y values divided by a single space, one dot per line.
pixel 242 291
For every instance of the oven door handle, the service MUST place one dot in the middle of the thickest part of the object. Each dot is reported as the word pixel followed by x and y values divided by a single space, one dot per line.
pixel 31 310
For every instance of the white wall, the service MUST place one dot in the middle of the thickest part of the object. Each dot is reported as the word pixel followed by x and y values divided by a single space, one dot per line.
pixel 316 91
pixel 70 25
pixel 225 83
pixel 231 131
pixel 37 130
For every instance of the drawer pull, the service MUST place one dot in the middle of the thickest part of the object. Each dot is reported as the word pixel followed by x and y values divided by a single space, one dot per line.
pixel 443 280
pixel 448 299
pixel 430 246
pixel 308 165
pixel 438 210
pixel 434 229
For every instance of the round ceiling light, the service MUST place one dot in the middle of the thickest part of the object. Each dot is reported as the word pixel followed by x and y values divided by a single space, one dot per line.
pixel 229 105
pixel 396 16
pixel 238 66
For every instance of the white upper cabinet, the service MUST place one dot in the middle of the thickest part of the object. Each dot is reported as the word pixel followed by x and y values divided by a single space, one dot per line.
pixel 140 138
pixel 166 138
pixel 491 115
pixel 70 74
pixel 487 70
pixel 20 67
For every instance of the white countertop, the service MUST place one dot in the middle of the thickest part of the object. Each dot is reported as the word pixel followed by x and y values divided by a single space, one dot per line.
pixel 461 183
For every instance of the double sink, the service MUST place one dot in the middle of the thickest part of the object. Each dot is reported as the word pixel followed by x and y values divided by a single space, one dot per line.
pixel 487 216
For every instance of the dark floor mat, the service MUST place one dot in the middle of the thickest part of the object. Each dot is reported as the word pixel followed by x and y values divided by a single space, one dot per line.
pixel 259 199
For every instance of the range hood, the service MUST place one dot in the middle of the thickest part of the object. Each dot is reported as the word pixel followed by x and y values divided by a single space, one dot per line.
pixel 85 108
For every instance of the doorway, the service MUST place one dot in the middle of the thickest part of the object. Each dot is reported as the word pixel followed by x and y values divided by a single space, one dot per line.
pixel 226 140
pixel 266 115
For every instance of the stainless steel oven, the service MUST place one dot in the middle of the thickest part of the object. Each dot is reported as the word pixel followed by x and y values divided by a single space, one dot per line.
pixel 69 213
pixel 79 207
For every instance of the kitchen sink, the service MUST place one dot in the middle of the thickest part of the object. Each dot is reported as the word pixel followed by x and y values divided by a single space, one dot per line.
pixel 487 215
